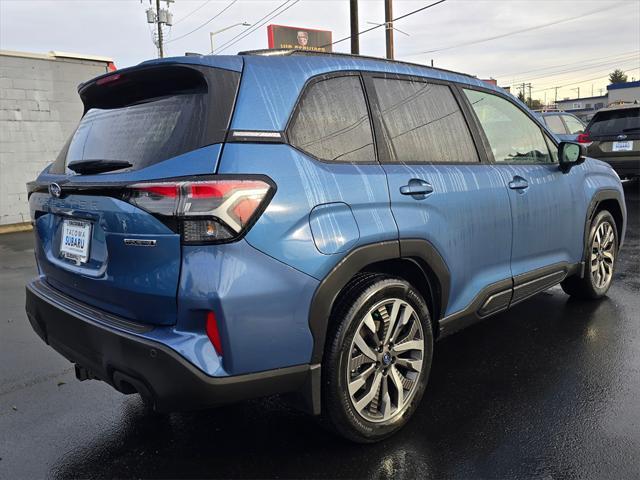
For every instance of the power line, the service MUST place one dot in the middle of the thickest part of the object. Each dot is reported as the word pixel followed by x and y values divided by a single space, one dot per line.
pixel 511 74
pixel 383 24
pixel 205 23
pixel 191 12
pixel 579 81
pixel 268 17
pixel 515 32
pixel 622 61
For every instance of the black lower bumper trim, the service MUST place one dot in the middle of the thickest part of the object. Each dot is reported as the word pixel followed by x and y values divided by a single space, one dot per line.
pixel 131 363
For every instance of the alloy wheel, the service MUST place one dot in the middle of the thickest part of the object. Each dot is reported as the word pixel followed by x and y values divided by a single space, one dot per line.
pixel 603 255
pixel 385 361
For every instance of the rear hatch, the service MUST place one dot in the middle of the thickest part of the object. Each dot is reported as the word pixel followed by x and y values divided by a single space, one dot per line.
pixel 106 231
pixel 615 133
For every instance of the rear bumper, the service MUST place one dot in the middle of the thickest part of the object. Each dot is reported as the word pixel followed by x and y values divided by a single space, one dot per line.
pixel 105 348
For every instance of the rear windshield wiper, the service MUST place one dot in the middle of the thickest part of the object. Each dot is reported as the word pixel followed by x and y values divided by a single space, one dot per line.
pixel 632 129
pixel 97 166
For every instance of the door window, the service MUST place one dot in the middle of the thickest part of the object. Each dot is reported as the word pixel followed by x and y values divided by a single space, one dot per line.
pixel 332 121
pixel 512 135
pixel 424 122
pixel 573 124
pixel 554 122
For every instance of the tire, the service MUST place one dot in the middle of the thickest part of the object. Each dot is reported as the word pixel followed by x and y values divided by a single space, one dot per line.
pixel 600 260
pixel 361 398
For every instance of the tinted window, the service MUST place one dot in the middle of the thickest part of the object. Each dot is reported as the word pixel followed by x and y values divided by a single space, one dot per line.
pixel 615 122
pixel 554 122
pixel 424 122
pixel 332 122
pixel 513 136
pixel 141 134
pixel 149 115
pixel 573 124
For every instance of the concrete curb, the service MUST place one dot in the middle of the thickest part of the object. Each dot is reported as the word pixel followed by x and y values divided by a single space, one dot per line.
pixel 15 227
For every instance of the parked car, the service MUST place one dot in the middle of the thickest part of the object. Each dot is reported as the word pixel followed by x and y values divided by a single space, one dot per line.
pixel 613 135
pixel 225 227
pixel 564 125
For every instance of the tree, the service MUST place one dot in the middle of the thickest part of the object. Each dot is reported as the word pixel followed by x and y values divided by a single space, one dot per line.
pixel 617 76
pixel 535 104
pixel 521 96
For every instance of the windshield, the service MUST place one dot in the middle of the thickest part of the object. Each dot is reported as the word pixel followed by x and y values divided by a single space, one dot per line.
pixel 615 122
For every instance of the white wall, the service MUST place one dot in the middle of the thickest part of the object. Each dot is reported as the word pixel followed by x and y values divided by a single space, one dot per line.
pixel 39 109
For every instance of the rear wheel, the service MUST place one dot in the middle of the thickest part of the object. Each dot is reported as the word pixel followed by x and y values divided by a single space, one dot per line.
pixel 599 262
pixel 377 359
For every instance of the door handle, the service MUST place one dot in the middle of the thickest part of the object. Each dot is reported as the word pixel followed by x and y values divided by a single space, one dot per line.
pixel 518 183
pixel 417 188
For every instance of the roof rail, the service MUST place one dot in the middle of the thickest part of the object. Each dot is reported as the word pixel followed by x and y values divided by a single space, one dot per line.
pixel 283 52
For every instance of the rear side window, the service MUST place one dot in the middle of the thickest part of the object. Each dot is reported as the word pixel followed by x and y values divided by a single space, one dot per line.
pixel 423 122
pixel 513 136
pixel 332 122
pixel 147 116
pixel 573 124
pixel 615 122
pixel 554 122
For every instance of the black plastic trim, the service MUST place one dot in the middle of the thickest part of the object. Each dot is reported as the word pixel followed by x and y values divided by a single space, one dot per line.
pixel 599 197
pixel 504 294
pixel 125 360
pixel 357 260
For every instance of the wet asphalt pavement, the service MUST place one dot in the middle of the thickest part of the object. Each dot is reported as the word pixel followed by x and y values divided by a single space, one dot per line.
pixel 550 389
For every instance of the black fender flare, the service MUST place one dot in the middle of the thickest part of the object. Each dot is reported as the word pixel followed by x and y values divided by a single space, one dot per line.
pixel 427 258
pixel 599 197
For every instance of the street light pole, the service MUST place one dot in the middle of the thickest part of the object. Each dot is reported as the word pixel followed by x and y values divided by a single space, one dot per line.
pixel 211 34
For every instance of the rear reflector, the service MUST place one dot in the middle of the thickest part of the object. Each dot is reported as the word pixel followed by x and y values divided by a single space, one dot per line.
pixel 209 211
pixel 213 333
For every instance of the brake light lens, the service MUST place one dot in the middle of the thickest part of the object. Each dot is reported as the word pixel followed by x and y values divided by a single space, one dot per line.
pixel 583 138
pixel 209 211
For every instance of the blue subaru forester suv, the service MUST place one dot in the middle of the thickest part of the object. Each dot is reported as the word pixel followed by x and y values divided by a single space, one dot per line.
pixel 225 227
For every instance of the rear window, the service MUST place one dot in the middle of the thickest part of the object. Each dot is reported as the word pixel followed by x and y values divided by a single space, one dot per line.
pixel 615 122
pixel 146 117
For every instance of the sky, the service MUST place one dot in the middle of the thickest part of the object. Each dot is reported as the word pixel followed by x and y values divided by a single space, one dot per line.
pixel 560 43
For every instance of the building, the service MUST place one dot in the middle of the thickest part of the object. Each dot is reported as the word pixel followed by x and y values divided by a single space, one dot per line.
pixel 39 109
pixel 628 92
pixel 584 108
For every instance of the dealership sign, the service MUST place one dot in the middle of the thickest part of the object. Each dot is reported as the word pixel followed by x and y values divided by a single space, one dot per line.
pixel 300 38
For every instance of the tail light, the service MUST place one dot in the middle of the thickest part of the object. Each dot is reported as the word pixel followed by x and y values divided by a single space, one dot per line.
pixel 207 211
pixel 583 138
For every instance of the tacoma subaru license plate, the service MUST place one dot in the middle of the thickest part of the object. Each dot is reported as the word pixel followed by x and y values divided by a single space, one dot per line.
pixel 76 236
pixel 622 146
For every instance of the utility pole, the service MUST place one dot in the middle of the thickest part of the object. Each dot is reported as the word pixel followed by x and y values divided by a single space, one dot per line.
pixel 578 89
pixel 556 96
pixel 160 46
pixel 355 38
pixel 388 25
pixel 529 99
pixel 159 17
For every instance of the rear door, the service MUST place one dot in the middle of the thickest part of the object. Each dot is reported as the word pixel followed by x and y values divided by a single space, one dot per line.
pixel 92 241
pixel 546 204
pixel 441 189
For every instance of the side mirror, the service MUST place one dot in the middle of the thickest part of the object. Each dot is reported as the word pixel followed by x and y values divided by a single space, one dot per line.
pixel 570 154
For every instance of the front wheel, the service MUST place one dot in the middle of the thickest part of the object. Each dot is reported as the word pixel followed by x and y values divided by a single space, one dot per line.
pixel 377 359
pixel 600 260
